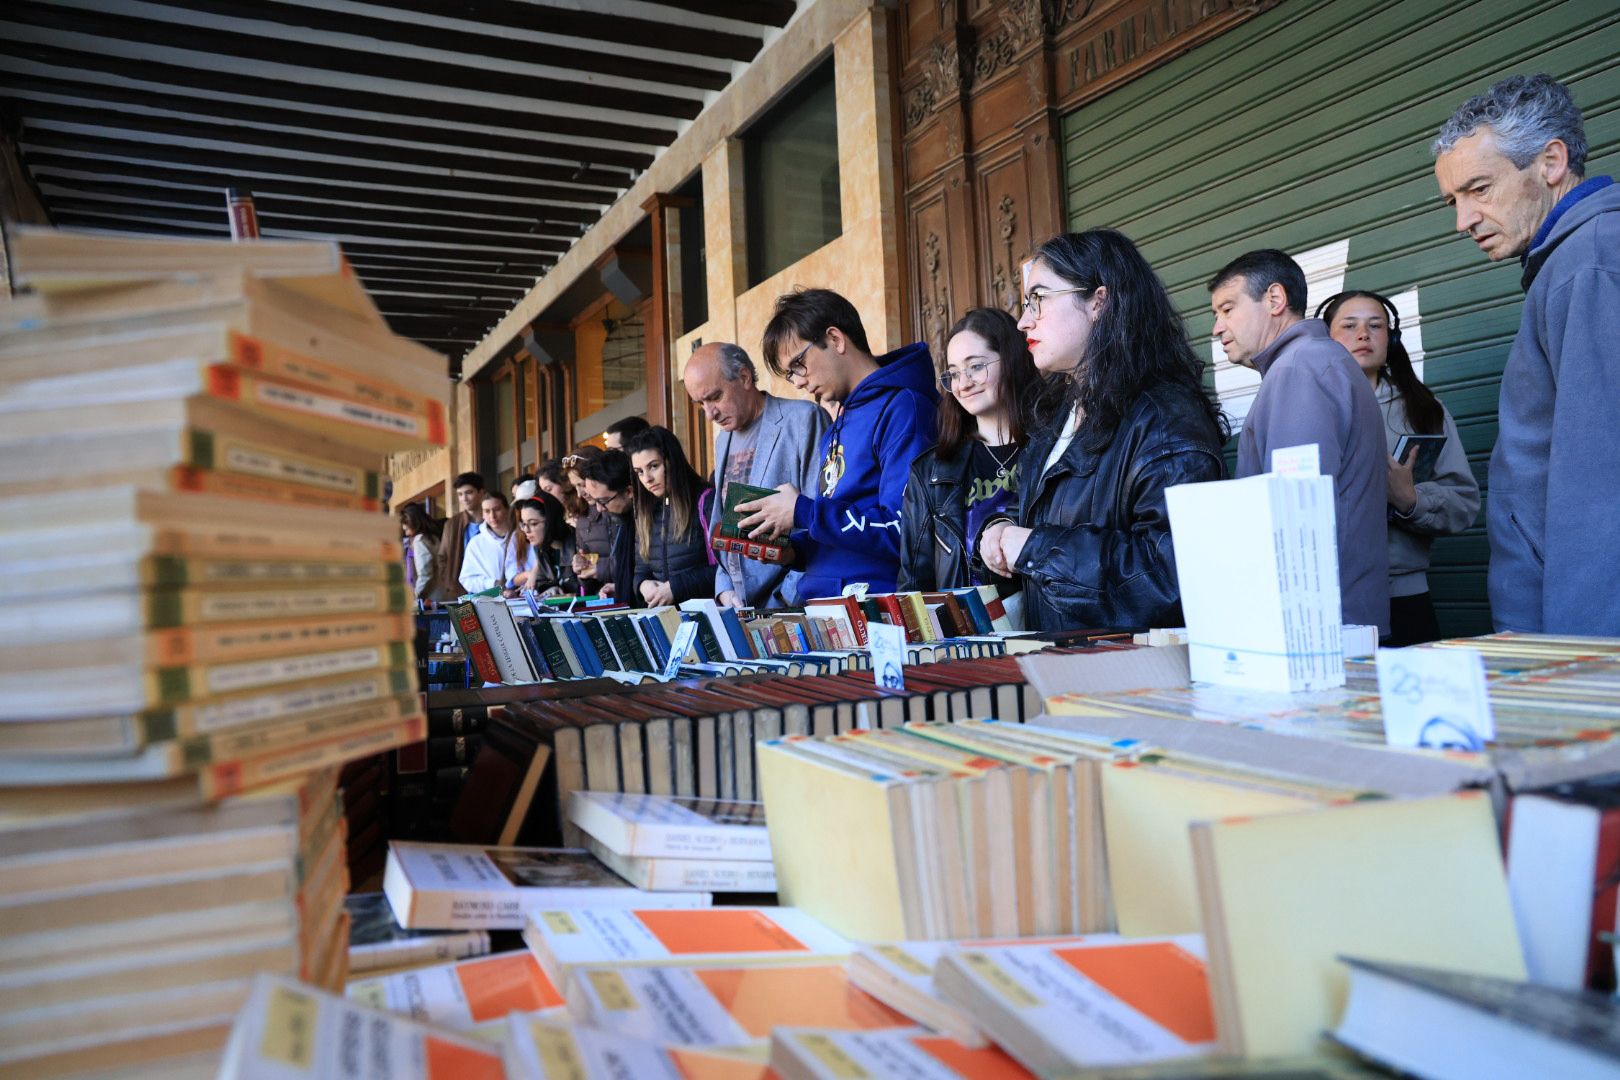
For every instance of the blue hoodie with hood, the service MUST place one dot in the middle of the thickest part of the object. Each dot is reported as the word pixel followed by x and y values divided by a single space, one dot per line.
pixel 850 529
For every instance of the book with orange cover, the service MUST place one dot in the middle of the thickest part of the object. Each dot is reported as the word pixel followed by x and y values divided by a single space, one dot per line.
pixel 1087 1004
pixel 467 994
pixel 817 1054
pixel 723 1006
pixel 287 1030
pixel 540 1048
pixel 566 940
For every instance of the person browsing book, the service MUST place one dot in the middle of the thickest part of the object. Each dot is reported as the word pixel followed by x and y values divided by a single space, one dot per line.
pixel 609 487
pixel 1311 392
pixel 1512 163
pixel 1440 498
pixel 969 480
pixel 593 531
pixel 760 440
pixel 537 558
pixel 849 528
pixel 485 566
pixel 674 506
pixel 1125 417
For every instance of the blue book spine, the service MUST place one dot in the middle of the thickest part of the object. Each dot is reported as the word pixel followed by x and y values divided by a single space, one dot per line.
pixel 739 636
pixel 582 646
pixel 531 645
pixel 653 630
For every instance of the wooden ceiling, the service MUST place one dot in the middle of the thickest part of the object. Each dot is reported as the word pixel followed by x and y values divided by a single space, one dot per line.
pixel 455 148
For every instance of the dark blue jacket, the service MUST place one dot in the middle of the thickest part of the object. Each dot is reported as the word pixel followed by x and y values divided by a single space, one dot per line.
pixel 850 530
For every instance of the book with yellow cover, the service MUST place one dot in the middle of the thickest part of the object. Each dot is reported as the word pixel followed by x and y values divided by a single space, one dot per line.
pixel 1283 896
pixel 721 1006
pixel 464 995
pixel 566 940
pixel 1087 1004
pixel 288 1030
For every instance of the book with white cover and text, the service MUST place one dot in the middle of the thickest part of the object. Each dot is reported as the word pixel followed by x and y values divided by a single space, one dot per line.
pixel 661 826
pixel 466 995
pixel 473 887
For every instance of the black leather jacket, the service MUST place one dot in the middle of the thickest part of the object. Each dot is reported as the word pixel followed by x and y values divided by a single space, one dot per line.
pixel 1100 554
pixel 933 519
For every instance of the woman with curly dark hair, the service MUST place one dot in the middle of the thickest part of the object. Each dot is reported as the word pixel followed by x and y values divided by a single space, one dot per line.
pixel 1127 417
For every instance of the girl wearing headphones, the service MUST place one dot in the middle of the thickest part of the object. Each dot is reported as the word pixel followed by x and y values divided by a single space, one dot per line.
pixel 1424 501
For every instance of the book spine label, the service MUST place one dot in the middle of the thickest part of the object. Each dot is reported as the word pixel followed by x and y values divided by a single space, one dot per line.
pixel 192 478
pixel 273 705
pixel 178 607
pixel 233 777
pixel 186 645
pixel 231 384
pixel 464 617
pixel 267 358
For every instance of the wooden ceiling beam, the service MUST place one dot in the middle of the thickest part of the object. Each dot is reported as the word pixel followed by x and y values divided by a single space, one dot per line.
pixel 481 46
pixel 249 164
pixel 567 20
pixel 324 120
pixel 595 184
pixel 402 105
pixel 290 187
pixel 382 64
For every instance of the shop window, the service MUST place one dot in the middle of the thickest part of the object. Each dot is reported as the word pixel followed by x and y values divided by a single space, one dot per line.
pixel 790 160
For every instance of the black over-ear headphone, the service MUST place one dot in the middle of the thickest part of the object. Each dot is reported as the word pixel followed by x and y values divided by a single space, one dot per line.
pixel 1389 308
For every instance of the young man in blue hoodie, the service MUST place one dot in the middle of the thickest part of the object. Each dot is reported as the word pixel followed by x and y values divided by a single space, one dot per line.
pixel 849 528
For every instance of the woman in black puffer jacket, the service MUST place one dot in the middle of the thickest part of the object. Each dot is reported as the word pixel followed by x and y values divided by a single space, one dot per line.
pixel 674 507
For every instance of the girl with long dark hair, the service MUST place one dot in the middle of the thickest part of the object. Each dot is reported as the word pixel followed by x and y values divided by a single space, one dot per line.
pixel 1446 500
pixel 674 505
pixel 1127 417
pixel 969 480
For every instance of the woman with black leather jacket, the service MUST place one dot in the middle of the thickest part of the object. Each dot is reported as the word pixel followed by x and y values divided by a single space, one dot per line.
pixel 970 478
pixel 1132 418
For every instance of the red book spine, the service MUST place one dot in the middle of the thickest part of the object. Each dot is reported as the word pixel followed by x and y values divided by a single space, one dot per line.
pixel 1600 973
pixel 478 650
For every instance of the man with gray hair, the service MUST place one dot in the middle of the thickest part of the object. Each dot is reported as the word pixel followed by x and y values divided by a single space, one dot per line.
pixel 1512 161
pixel 761 440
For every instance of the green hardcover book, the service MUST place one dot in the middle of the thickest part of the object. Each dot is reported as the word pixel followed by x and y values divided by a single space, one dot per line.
pixel 545 632
pixel 599 641
pixel 628 642
pixel 705 635
pixel 730 517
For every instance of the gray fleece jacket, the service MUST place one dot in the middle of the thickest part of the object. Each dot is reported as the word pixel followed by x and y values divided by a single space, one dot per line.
pixel 1446 504
pixel 1553 512
pixel 1311 391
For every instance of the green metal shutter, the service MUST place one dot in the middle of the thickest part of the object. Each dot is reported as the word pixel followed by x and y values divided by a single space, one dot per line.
pixel 1311 124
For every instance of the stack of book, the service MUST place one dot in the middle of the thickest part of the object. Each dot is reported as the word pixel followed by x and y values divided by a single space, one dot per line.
pixel 1257 561
pixel 664 844
pixel 207 603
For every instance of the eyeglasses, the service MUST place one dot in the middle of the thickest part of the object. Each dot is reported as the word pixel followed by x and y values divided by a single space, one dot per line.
pixel 974 373
pixel 1032 300
pixel 603 504
pixel 795 366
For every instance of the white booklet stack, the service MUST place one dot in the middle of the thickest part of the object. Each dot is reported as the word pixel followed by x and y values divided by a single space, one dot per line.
pixel 669 844
pixel 1258 563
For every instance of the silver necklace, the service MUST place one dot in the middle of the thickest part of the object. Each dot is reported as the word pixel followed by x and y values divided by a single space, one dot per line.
pixel 1001 466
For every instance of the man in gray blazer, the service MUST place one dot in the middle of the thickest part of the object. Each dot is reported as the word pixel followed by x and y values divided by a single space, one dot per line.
pixel 761 440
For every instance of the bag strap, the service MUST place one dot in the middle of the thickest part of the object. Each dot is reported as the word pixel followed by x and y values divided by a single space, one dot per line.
pixel 703 518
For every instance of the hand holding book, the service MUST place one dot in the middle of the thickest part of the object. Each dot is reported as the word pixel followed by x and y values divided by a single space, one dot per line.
pixel 752 519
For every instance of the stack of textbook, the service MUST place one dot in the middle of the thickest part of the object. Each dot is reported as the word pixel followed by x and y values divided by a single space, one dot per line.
pixel 207 617
pixel 666 844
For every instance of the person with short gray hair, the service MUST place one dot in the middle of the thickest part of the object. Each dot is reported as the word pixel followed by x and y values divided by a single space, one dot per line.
pixel 1512 163
pixel 760 440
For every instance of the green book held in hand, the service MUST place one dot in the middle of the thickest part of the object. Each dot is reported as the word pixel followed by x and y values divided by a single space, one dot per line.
pixel 728 533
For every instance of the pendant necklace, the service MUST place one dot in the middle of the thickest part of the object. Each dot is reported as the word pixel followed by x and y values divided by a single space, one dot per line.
pixel 1001 466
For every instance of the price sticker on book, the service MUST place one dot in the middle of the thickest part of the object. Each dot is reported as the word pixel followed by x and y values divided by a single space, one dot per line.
pixel 1435 698
pixel 888 646
pixel 679 648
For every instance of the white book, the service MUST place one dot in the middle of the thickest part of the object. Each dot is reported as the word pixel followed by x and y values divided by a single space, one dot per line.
pixel 672 827
pixel 500 630
pixel 465 995
pixel 471 887
pixel 1257 564
pixel 816 1054
pixel 901 975
pixel 288 1030
pixel 722 1007
pixel 540 1048
pixel 1087 1005
pixel 565 940
pixel 709 610
pixel 686 875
